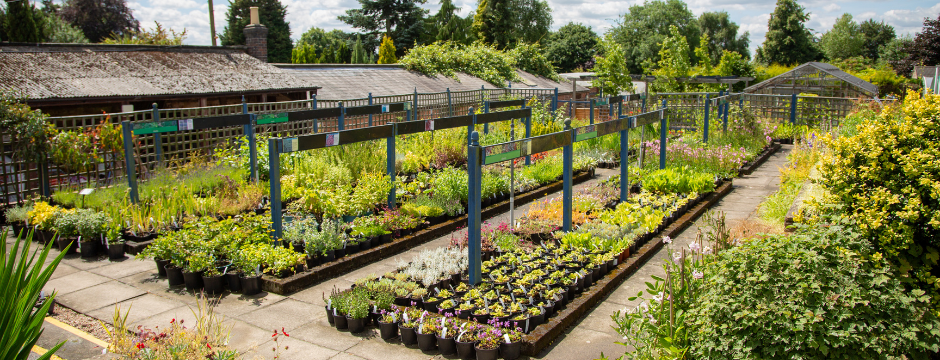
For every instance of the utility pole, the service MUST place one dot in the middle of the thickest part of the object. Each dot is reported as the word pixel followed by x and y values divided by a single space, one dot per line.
pixel 212 23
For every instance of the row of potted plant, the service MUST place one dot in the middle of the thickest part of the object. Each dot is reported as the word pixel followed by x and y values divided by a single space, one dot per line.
pixel 213 254
pixel 78 230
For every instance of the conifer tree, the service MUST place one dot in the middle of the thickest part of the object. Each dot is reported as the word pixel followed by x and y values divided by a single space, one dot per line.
pixel 387 51
pixel 788 41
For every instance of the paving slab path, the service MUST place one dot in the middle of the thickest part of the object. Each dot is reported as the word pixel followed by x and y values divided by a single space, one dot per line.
pixel 94 287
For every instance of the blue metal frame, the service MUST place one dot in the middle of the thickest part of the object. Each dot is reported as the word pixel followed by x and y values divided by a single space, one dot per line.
pixel 129 165
pixel 662 136
pixel 474 170
pixel 341 121
pixel 370 103
pixel 252 142
pixel 157 138
pixel 707 113
pixel 793 109
pixel 624 164
pixel 567 160
pixel 274 176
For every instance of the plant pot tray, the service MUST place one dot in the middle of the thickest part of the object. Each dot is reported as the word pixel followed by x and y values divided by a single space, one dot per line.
pixel 356 261
pixel 543 335
pixel 769 150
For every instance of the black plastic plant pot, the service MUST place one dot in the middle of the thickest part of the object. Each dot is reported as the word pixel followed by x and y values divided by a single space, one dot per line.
pixel 161 267
pixel 193 280
pixel 231 280
pixel 116 251
pixel 174 275
pixel 482 319
pixel 486 354
pixel 427 342
pixel 251 285
pixel 388 330
pixel 89 249
pixel 352 249
pixel 465 350
pixel 536 321
pixel 214 285
pixel 312 262
pixel 365 244
pixel 62 243
pixel 386 238
pixel 330 256
pixel 447 346
pixel 329 315
pixel 408 335
pixel 18 228
pixel 403 301
pixel 431 306
pixel 510 351
pixel 355 325
pixel 340 322
pixel 339 253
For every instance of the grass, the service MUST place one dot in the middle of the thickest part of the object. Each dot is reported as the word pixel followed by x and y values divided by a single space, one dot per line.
pixel 800 163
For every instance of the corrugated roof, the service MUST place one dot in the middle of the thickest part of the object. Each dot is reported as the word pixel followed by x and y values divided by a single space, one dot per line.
pixel 60 71
pixel 357 81
pixel 813 67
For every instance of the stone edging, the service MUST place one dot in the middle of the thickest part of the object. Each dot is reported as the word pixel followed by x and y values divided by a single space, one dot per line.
pixel 355 261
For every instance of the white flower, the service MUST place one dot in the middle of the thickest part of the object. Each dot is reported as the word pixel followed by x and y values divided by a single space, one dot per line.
pixel 644 307
pixel 667 240
pixel 707 250
pixel 697 274
pixel 677 256
pixel 652 320
pixel 658 297
pixel 695 247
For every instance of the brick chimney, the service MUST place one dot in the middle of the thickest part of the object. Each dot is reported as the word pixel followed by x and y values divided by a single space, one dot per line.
pixel 256 37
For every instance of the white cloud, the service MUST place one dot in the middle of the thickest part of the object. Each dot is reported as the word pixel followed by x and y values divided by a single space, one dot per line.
pixel 832 7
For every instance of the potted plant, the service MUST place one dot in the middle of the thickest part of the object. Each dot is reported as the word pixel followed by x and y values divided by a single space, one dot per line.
pixel 358 312
pixel 248 262
pixel 445 336
pixel 212 279
pixel 65 225
pixel 487 346
pixel 465 341
pixel 427 333
pixel 407 328
pixel 388 323
pixel 339 304
pixel 115 243
pixel 160 250
pixel 511 345
pixel 90 226
pixel 18 217
pixel 196 264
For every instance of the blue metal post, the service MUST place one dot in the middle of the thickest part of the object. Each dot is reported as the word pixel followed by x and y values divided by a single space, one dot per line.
pixel 610 109
pixel 486 110
pixel 370 103
pixel 470 127
pixel 567 160
pixel 274 178
pixel 473 212
pixel 129 160
pixel 252 143
pixel 315 121
pixel 662 136
pixel 342 115
pixel 390 164
pixel 724 119
pixel 414 106
pixel 44 187
pixel 707 114
pixel 793 109
pixel 643 104
pixel 591 114
pixel 555 101
pixel 624 164
pixel 157 139
pixel 528 134
pixel 619 109
pixel 450 105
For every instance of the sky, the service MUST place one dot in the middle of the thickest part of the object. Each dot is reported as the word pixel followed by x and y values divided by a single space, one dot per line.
pixel 906 16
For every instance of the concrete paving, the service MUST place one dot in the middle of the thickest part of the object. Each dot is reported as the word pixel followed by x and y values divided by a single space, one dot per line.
pixel 95 287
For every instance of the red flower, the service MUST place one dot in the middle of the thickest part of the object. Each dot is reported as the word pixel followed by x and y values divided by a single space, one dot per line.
pixel 140 346
pixel 284 332
pixel 173 321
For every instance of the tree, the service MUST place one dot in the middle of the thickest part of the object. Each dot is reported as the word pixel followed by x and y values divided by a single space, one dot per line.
pixel 402 20
pixel 358 53
pixel 925 49
pixel 894 53
pixel 387 51
pixel 271 13
pixel 611 67
pixel 876 35
pixel 788 41
pixel 643 28
pixel 21 23
pixel 56 30
pixel 735 64
pixel 571 47
pixel 446 25
pixel 99 19
pixel 723 35
pixel 845 40
pixel 505 23
pixel 674 62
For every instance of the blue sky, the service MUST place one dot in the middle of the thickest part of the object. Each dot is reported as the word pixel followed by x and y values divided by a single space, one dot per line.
pixel 906 16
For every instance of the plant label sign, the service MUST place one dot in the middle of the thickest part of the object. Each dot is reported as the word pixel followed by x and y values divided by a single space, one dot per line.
pixel 272 118
pixel 584 133
pixel 332 139
pixel 155 127
pixel 508 151
pixel 185 124
pixel 429 125
pixel 87 191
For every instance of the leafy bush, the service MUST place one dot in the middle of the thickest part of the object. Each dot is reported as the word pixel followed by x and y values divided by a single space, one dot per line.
pixel 478 59
pixel 530 58
pixel 680 180
pixel 818 294
pixel 887 178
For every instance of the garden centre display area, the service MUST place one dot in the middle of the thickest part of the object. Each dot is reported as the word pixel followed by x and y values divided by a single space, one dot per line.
pixel 280 211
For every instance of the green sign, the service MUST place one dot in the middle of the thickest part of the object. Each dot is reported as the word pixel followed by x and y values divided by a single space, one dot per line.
pixel 155 127
pixel 495 158
pixel 585 136
pixel 508 151
pixel 272 118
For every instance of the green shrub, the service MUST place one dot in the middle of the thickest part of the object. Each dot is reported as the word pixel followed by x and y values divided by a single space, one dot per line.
pixel 888 180
pixel 478 59
pixel 678 181
pixel 815 295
